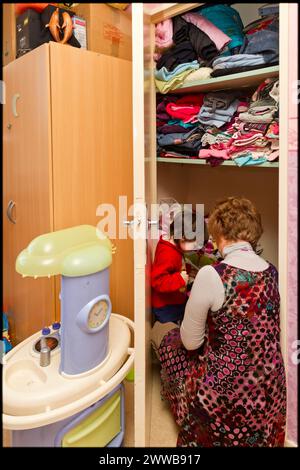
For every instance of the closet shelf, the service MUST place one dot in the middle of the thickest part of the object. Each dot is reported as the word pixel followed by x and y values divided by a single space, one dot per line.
pixel 235 80
pixel 194 161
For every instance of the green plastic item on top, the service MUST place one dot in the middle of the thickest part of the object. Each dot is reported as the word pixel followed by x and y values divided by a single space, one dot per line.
pixel 76 251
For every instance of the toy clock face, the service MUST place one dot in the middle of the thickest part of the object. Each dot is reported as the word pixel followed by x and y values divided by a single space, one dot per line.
pixel 94 315
pixel 97 314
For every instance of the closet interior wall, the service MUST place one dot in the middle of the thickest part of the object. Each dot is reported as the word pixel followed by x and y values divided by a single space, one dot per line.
pixel 193 184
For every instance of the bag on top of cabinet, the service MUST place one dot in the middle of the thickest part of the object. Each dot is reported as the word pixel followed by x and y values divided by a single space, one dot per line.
pixel 32 30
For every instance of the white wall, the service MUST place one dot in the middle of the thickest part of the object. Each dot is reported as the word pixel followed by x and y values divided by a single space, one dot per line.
pixel 248 11
pixel 203 184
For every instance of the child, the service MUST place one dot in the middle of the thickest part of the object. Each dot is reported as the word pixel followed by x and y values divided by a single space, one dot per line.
pixel 169 278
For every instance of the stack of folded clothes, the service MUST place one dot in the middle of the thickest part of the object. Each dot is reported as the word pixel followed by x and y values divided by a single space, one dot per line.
pixel 228 20
pixel 184 45
pixel 260 49
pixel 252 137
pixel 211 42
pixel 218 108
pixel 216 117
pixel 221 125
pixel 178 131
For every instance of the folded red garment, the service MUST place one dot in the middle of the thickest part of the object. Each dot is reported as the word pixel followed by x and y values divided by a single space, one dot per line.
pixel 262 25
pixel 185 112
pixel 186 108
pixel 195 99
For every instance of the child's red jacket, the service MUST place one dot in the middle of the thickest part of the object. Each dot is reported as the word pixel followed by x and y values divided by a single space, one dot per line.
pixel 166 279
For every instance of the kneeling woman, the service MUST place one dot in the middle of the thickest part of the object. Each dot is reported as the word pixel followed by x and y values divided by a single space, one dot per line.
pixel 222 370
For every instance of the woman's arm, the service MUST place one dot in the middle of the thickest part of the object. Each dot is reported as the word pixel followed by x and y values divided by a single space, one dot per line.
pixel 207 293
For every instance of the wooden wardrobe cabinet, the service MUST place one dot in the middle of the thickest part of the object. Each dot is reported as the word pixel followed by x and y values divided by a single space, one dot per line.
pixel 67 148
pixel 8 33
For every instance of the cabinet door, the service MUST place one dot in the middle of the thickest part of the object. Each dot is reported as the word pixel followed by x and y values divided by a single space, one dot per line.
pixel 27 182
pixel 92 150
pixel 292 342
pixel 144 192
pixel 8 33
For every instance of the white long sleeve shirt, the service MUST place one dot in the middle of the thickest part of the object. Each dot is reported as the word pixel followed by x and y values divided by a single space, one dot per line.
pixel 208 292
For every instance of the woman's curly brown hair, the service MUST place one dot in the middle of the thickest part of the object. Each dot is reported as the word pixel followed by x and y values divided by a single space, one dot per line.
pixel 235 218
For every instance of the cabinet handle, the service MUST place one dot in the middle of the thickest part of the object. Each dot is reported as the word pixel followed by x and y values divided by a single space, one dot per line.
pixel 14 104
pixel 152 222
pixel 131 222
pixel 128 222
pixel 9 209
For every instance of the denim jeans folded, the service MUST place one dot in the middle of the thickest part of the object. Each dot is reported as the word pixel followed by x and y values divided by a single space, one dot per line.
pixel 264 42
pixel 186 138
pixel 267 10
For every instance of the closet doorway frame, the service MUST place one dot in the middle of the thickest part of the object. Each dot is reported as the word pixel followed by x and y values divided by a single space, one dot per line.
pixel 145 152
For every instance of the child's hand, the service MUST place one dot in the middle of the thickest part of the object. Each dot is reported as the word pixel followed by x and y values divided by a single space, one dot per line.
pixel 184 276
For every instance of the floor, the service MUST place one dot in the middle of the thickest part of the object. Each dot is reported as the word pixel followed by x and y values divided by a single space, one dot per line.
pixel 161 416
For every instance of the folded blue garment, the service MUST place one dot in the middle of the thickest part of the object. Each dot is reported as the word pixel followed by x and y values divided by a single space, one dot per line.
pixel 267 10
pixel 206 110
pixel 264 42
pixel 179 122
pixel 238 60
pixel 164 75
pixel 177 138
pixel 213 122
pixel 247 160
pixel 218 117
pixel 170 139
